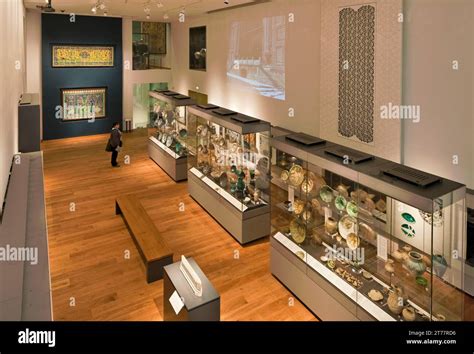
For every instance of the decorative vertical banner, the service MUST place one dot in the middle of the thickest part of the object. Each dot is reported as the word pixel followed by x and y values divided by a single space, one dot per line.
pixel 357 73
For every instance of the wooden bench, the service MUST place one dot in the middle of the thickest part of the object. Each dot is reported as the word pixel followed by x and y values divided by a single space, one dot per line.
pixel 153 249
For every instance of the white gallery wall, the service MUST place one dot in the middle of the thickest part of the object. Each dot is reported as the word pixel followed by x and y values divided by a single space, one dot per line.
pixel 438 39
pixel 12 69
pixel 301 58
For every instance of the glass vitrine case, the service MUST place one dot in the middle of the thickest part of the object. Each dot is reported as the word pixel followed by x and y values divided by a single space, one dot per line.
pixel 229 169
pixel 367 239
pixel 167 143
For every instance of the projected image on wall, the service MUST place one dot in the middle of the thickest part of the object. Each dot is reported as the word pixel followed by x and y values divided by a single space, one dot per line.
pixel 257 55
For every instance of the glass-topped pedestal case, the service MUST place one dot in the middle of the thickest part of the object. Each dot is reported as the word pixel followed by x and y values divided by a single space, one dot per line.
pixel 356 237
pixel 229 169
pixel 167 143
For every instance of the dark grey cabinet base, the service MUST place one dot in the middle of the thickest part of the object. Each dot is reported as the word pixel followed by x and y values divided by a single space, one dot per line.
pixel 244 226
pixel 204 308
pixel 177 169
pixel 318 294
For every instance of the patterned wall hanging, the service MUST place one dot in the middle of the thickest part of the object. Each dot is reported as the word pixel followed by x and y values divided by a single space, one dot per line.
pixel 73 56
pixel 356 73
pixel 84 103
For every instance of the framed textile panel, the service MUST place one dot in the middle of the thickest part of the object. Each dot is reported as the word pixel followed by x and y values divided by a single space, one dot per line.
pixel 157 36
pixel 82 56
pixel 84 103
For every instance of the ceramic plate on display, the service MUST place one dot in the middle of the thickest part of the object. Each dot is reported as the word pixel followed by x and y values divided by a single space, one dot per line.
pixel 298 232
pixel 169 141
pixel 347 225
pixel 340 203
pixel 307 185
pixel 159 135
pixel 296 175
pixel 326 194
pixel 284 175
pixel 353 241
pixel 352 209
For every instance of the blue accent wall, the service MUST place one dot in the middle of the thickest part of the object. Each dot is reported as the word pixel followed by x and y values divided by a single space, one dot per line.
pixel 57 29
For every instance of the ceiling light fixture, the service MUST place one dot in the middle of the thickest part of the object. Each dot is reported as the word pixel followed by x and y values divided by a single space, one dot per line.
pixel 227 2
pixel 105 13
pixel 94 9
pixel 102 6
pixel 148 16
pixel 165 16
pixel 159 5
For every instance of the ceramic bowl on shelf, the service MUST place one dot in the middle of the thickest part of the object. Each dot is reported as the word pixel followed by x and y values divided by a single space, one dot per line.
pixel 343 190
pixel 326 193
pixel 347 225
pixel 352 209
pixel 340 202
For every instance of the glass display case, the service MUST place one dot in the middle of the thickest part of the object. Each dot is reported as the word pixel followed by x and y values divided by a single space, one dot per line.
pixel 167 143
pixel 229 169
pixel 367 238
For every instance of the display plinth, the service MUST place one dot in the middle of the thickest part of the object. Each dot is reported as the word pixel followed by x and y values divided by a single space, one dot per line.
pixel 175 166
pixel 196 308
pixel 244 226
pixel 356 237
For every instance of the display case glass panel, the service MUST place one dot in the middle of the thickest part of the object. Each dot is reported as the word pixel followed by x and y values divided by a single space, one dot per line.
pixel 395 253
pixel 231 161
pixel 168 122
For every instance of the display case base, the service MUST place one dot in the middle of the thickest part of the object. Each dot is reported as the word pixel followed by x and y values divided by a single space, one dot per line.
pixel 319 295
pixel 175 168
pixel 244 226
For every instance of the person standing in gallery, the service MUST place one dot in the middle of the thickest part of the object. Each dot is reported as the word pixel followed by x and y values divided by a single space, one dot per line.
pixel 114 144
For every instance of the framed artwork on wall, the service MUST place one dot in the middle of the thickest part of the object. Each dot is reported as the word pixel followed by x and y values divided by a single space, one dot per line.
pixel 84 103
pixel 82 56
pixel 148 44
pixel 197 48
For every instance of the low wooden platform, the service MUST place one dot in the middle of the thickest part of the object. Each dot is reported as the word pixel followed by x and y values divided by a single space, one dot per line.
pixel 153 249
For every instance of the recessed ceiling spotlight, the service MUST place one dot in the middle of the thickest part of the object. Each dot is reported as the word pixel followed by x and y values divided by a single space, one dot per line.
pixel 166 16
pixel 94 9
pixel 148 16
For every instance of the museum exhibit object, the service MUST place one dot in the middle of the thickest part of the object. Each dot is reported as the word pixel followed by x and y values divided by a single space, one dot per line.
pixel 167 144
pixel 229 169
pixel 356 237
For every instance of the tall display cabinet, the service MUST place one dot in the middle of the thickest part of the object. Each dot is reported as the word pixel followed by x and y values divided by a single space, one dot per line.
pixel 357 237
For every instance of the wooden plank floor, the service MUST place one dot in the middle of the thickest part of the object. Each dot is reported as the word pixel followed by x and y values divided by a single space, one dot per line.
pixel 92 276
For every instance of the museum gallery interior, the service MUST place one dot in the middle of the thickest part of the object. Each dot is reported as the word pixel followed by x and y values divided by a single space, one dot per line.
pixel 182 160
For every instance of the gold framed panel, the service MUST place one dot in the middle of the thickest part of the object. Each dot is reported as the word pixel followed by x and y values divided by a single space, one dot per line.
pixel 82 56
pixel 84 103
